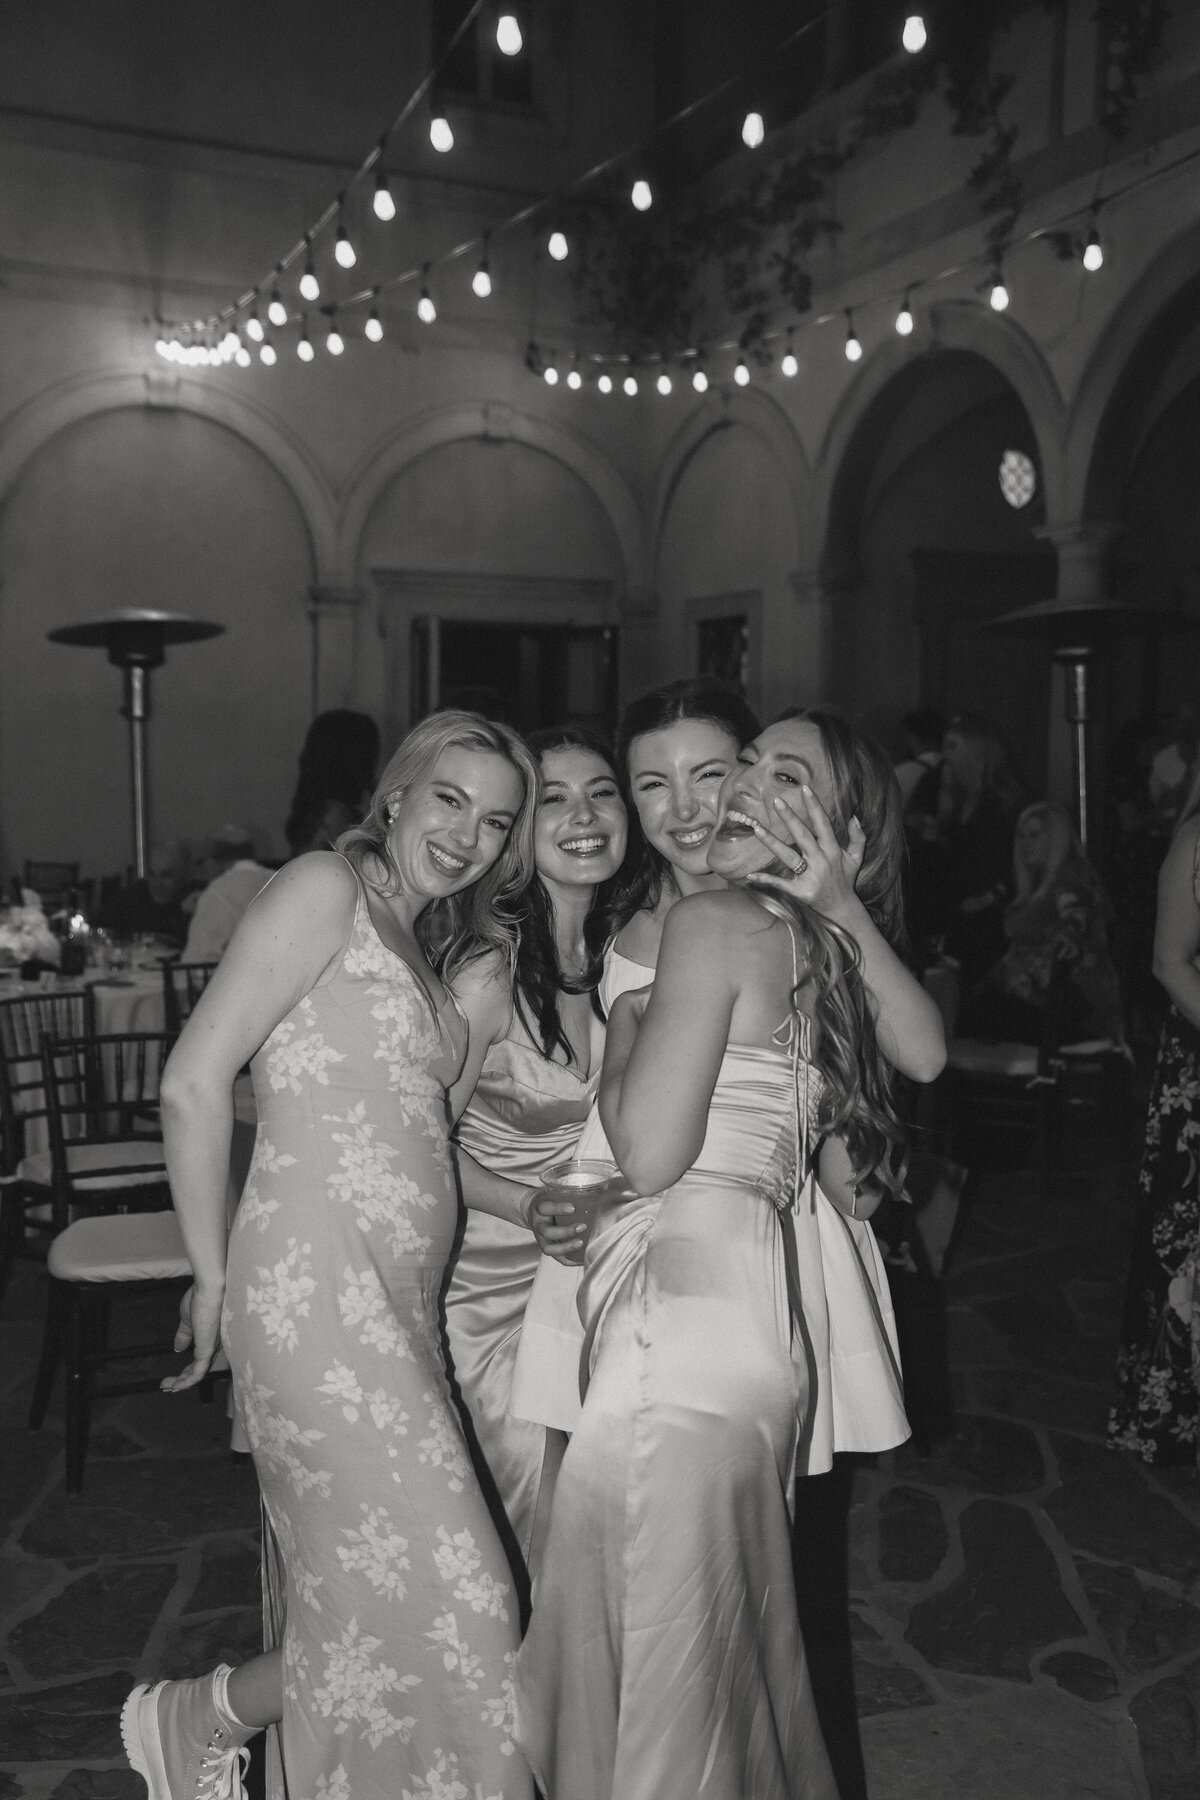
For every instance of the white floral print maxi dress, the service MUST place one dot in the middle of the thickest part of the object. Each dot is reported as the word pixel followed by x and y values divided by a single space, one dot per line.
pixel 386 1582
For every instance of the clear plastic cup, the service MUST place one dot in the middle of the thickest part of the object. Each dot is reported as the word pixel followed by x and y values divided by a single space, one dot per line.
pixel 589 1184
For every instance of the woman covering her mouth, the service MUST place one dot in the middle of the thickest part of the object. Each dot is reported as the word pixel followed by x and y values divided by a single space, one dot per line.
pixel 528 1083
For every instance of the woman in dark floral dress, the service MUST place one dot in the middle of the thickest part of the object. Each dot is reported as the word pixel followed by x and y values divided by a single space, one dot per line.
pixel 1157 1410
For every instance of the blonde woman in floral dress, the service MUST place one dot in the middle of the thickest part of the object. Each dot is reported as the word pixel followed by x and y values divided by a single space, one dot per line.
pixel 390 1616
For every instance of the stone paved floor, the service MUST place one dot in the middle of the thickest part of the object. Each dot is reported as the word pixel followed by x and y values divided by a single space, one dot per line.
pixel 1026 1606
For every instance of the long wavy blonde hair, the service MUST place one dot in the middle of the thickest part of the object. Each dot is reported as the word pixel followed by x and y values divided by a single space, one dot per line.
pixel 480 918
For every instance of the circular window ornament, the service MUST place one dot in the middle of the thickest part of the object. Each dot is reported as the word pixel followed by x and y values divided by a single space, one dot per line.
pixel 1018 478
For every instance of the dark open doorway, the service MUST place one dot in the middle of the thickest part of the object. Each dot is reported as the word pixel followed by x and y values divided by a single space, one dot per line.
pixel 528 675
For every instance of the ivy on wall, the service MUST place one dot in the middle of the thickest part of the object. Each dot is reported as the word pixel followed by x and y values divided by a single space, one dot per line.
pixel 655 284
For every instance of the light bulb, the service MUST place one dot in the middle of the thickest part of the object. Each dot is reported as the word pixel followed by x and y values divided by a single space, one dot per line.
pixel 853 347
pixel 163 348
pixel 277 311
pixel 998 298
pixel 914 37
pixel 334 342
pixel 373 329
pixel 426 310
pixel 741 373
pixel 481 281
pixel 310 287
pixel 574 378
pixel 630 385
pixel 787 363
pixel 242 357
pixel 229 344
pixel 509 40
pixel 550 375
pixel 254 326
pixel 904 319
pixel 304 349
pixel 753 130
pixel 640 195
pixel 213 356
pixel 1093 252
pixel 664 384
pixel 383 205
pixel 558 247
pixel 440 134
pixel 343 249
pixel 700 381
pixel 267 352
pixel 604 382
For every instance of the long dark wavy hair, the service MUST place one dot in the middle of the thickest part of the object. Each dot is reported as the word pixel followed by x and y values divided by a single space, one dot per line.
pixel 479 918
pixel 704 697
pixel 857 1103
pixel 538 978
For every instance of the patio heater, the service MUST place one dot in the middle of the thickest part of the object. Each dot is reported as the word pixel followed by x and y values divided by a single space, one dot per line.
pixel 136 639
pixel 1077 629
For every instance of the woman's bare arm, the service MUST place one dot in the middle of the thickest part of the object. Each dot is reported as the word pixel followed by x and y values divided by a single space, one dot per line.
pixel 1177 925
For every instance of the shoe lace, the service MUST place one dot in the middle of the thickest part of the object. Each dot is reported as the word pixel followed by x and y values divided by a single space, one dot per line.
pixel 221 1773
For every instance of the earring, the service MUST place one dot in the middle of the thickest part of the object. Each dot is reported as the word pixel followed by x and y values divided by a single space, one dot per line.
pixel 392 810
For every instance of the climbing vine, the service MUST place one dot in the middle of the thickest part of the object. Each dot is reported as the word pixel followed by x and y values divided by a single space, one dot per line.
pixel 650 283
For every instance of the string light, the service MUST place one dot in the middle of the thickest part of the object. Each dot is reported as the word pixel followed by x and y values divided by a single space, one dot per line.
pixel 343 249
pixel 904 318
pixel 630 385
pixel 310 287
pixel 304 349
pixel 914 37
pixel 481 280
pixel 334 341
pixel 440 134
pixel 426 310
pixel 998 298
pixel 557 246
pixel 383 204
pixel 753 130
pixel 509 40
pixel 640 196
pixel 254 327
pixel 787 364
pixel 266 352
pixel 241 356
pixel 664 384
pixel 700 379
pixel 604 382
pixel 229 344
pixel 574 378
pixel 277 311
pixel 1093 252
pixel 853 347
pixel 741 373
pixel 373 329
pixel 550 374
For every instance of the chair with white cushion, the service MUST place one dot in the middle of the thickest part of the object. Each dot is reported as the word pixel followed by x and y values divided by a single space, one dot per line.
pixel 90 1264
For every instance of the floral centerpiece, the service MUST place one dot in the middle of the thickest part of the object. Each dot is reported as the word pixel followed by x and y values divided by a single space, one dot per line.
pixel 25 934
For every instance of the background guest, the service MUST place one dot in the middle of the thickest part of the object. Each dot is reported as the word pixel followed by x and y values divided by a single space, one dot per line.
pixel 236 878
pixel 1157 1410
pixel 337 773
pixel 155 904
pixel 924 730
pixel 920 781
pixel 979 803
pixel 1059 916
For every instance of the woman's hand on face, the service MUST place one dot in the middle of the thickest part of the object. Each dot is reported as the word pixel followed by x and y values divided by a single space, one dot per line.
pixel 824 872
pixel 199 1326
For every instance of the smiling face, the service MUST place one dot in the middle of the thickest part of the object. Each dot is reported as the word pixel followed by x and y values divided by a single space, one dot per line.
pixel 779 761
pixel 580 826
pixel 675 776
pixel 450 826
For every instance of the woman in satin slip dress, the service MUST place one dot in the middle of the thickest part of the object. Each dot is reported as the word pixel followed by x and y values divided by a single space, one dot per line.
pixel 530 1076
pixel 391 1619
pixel 664 1660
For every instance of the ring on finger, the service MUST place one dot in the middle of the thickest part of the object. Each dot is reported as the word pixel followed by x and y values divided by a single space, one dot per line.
pixel 799 867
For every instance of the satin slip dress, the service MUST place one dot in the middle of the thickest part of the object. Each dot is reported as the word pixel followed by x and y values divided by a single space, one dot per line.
pixel 385 1581
pixel 664 1660
pixel 525 1114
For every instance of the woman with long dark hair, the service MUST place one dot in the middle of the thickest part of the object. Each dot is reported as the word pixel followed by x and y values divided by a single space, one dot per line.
pixel 529 1080
pixel 664 1656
